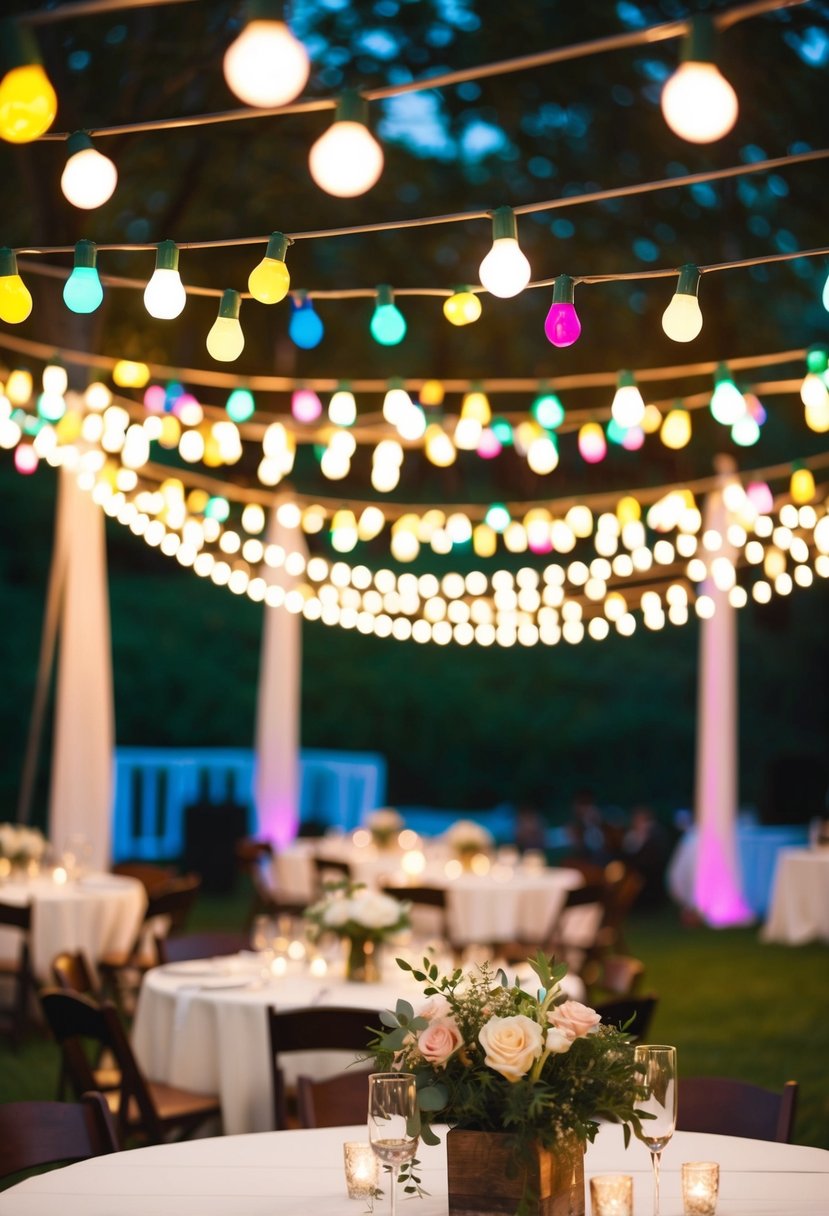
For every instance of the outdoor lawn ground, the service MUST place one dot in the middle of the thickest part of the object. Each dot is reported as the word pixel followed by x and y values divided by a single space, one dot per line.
pixel 732 1006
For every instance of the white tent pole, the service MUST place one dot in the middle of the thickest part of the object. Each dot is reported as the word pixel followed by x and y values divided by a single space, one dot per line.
pixel 82 778
pixel 277 776
pixel 718 896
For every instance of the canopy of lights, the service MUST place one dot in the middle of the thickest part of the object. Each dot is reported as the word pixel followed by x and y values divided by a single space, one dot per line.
pixel 167 466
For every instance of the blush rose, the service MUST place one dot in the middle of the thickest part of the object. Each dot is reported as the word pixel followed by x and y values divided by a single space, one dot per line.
pixel 574 1019
pixel 440 1040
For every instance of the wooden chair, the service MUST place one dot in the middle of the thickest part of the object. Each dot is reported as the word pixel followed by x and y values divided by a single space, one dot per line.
pixel 328 870
pixel 34 1134
pixel 313 1029
pixel 199 945
pixel 620 1011
pixel 726 1107
pixel 167 911
pixel 623 886
pixel 14 1016
pixel 72 973
pixel 336 1102
pixel 153 877
pixel 613 975
pixel 143 1108
pixel 432 898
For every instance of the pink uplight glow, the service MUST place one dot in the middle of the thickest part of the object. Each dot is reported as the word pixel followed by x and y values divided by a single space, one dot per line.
pixel 278 822
pixel 716 894
pixel 562 325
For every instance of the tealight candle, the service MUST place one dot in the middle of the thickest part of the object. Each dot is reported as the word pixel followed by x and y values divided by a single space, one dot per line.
pixel 611 1195
pixel 296 950
pixel 360 1170
pixel 59 876
pixel 700 1187
pixel 318 966
pixel 279 965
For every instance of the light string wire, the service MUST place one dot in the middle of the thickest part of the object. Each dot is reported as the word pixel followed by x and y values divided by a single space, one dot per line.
pixel 612 42
pixel 457 217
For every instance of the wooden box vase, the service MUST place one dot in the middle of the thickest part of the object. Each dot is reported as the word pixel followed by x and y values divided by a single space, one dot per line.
pixel 484 1178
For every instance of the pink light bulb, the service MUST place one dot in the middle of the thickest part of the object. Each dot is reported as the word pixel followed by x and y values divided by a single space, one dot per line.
pixel 760 497
pixel 489 445
pixel 592 443
pixel 562 325
pixel 25 458
pixel 154 399
pixel 305 405
pixel 633 439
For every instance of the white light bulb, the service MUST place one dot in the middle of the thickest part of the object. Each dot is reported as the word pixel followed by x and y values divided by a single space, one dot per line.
pixel 682 319
pixel 347 160
pixel 505 270
pixel 225 342
pixel 89 178
pixel 628 408
pixel 698 103
pixel 164 295
pixel 266 65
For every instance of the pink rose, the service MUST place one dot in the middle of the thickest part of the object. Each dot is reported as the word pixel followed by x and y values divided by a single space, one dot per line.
pixel 440 1040
pixel 437 1006
pixel 574 1019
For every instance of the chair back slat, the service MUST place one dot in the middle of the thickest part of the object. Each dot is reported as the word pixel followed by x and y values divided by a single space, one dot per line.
pixel 337 1102
pixel 34 1134
pixel 726 1107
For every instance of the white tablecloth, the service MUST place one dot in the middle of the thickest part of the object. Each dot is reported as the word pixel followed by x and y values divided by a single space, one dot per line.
pixel 800 899
pixel 96 914
pixel 507 903
pixel 202 1026
pixel 301 1172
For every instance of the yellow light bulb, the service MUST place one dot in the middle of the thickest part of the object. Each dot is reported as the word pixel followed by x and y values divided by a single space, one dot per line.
pixel 225 342
pixel 19 386
pixel 463 307
pixel 130 374
pixel 28 104
pixel 431 393
pixel 270 281
pixel 802 486
pixel 15 298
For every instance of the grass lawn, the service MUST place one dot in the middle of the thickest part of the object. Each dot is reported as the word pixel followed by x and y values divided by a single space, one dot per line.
pixel 733 1007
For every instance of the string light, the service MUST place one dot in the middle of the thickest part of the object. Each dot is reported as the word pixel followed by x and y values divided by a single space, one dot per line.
pixel 305 327
pixel 240 405
pixel 89 178
pixel 266 65
pixel 225 341
pixel 164 295
pixel 270 280
pixel 505 270
pixel 342 408
pixel 628 408
pixel 462 307
pixel 347 160
pixel 15 298
pixel 562 325
pixel 28 103
pixel 727 402
pixel 682 319
pixel 83 292
pixel 698 103
pixel 388 325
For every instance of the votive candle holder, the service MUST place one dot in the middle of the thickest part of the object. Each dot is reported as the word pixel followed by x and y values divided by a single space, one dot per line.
pixel 611 1195
pixel 700 1187
pixel 360 1169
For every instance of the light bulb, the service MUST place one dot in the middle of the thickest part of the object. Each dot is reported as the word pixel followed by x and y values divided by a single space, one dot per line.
pixel 269 282
pixel 388 325
pixel 342 408
pixel 592 443
pixel 305 328
pixel 698 103
pixel 813 390
pixel 675 431
pixel 562 325
pixel 89 177
pixel 19 386
pixel 305 405
pixel 727 402
pixel 347 160
pixel 463 307
pixel 15 298
pixel 802 486
pixel 745 431
pixel 28 103
pixel 226 341
pixel 266 65
pixel 682 319
pixel 548 411
pixel 628 408
pixel 164 295
pixel 82 291
pixel 504 271
pixel 128 373
pixel 825 296
pixel 240 405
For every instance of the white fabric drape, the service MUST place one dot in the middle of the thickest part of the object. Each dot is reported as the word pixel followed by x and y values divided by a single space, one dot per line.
pixel 276 783
pixel 717 888
pixel 80 800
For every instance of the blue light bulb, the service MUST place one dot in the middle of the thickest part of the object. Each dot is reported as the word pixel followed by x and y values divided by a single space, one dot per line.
pixel 388 325
pixel 240 405
pixel 82 291
pixel 305 327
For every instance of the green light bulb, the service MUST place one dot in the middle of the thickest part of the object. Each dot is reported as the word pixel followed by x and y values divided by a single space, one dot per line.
pixel 388 325
pixel 82 292
pixel 240 405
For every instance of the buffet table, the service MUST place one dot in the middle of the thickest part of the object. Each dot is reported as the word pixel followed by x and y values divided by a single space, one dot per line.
pixel 289 1173
pixel 799 910
pixel 202 1026
pixel 99 914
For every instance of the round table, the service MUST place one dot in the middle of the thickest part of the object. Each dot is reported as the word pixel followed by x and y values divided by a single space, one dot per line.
pixel 799 910
pixel 202 1026
pixel 296 1172
pixel 98 914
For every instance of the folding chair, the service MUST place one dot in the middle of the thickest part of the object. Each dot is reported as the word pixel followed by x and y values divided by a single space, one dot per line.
pixel 726 1107
pixel 34 1134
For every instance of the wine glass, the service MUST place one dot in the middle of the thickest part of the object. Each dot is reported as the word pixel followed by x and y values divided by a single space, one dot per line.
pixel 658 1066
pixel 392 1107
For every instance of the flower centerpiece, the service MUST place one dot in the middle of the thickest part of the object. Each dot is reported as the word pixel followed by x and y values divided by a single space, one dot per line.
pixel 362 918
pixel 533 1070
pixel 19 846
pixel 466 838
pixel 385 825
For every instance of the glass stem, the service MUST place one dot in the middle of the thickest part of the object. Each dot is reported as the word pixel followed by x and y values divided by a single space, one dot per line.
pixel 655 1163
pixel 394 1190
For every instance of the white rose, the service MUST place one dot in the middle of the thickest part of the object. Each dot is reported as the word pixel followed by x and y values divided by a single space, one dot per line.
pixel 557 1041
pixel 11 839
pixel 338 912
pixel 511 1044
pixel 436 1006
pixel 376 911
